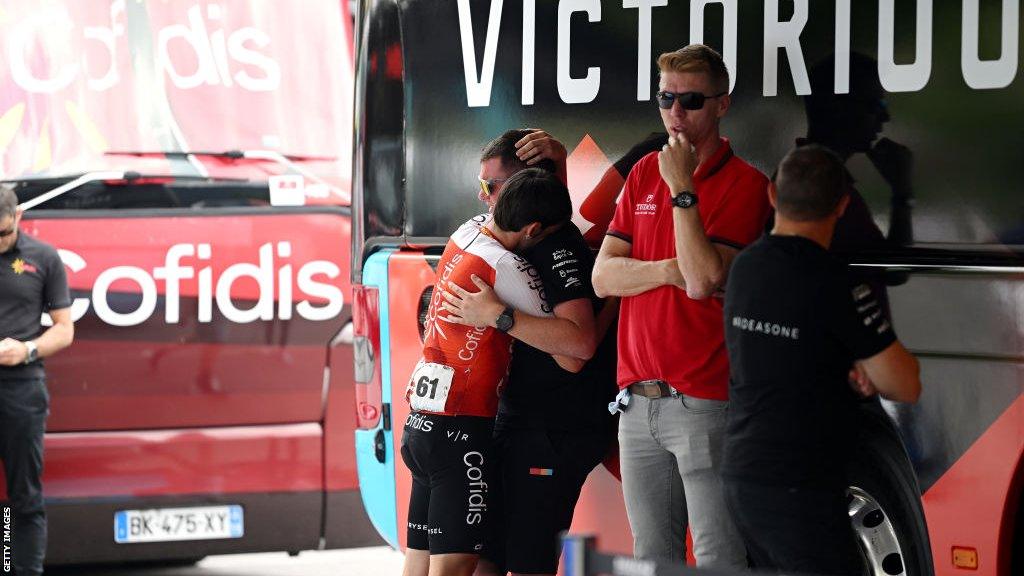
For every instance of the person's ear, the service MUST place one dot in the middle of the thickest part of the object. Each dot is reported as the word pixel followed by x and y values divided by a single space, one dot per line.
pixel 17 215
pixel 533 230
pixel 724 101
pixel 841 208
pixel 773 195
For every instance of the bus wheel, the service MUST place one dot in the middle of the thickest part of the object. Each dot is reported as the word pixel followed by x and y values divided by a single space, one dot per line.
pixel 886 514
pixel 879 545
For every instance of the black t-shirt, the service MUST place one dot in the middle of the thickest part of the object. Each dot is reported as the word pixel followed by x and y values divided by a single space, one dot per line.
pixel 32 281
pixel 795 321
pixel 539 392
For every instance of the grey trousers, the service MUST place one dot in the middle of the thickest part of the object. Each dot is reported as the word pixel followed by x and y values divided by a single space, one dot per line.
pixel 670 451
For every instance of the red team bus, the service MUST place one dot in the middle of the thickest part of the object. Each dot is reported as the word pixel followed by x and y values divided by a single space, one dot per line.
pixel 190 161
pixel 935 488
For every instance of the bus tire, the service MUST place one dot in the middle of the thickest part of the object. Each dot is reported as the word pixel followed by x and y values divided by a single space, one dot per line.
pixel 885 508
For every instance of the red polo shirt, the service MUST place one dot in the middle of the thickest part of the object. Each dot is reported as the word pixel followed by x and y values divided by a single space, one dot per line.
pixel 663 334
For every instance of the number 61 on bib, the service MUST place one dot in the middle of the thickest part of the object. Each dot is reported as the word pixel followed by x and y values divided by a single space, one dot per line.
pixel 429 386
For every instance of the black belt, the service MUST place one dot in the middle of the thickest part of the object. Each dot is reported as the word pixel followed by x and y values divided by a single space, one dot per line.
pixel 652 389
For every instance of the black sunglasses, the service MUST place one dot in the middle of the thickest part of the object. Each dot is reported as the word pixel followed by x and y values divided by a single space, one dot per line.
pixel 688 100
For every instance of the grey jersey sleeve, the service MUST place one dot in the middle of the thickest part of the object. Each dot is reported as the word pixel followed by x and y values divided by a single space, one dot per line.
pixel 517 283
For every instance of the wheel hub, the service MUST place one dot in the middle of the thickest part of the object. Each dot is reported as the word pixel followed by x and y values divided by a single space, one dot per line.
pixel 876 535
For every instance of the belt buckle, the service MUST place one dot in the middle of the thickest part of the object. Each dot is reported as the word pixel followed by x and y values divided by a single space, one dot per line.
pixel 648 385
pixel 641 387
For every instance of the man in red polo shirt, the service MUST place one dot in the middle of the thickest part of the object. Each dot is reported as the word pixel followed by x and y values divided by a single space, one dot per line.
pixel 685 213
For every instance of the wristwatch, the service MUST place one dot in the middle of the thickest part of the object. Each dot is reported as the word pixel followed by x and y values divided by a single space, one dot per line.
pixel 684 199
pixel 33 352
pixel 506 320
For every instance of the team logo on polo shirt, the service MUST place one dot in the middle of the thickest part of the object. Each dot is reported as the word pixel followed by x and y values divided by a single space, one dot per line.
pixel 20 267
pixel 647 207
pixel 767 328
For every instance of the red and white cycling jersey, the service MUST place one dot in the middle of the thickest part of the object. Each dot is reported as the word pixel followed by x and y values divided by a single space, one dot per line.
pixel 463 368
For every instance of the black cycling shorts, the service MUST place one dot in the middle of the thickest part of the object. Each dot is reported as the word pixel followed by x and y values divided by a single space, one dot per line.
pixel 542 474
pixel 450 461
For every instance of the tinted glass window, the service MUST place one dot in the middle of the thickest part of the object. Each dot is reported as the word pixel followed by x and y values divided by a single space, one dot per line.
pixel 958 121
pixel 152 195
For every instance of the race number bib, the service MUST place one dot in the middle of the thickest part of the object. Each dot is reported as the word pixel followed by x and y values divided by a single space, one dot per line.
pixel 429 386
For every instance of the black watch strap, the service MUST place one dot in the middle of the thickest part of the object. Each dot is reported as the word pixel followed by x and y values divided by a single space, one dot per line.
pixel 506 320
pixel 684 199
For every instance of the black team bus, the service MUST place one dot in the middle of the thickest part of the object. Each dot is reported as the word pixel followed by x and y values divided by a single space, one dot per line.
pixel 923 96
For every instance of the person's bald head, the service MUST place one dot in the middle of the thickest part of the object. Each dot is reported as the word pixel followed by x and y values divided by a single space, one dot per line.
pixel 810 184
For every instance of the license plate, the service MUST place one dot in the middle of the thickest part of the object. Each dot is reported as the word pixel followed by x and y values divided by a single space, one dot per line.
pixel 176 524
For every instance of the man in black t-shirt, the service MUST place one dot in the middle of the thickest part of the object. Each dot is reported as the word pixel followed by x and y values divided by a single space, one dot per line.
pixel 796 323
pixel 32 281
pixel 553 426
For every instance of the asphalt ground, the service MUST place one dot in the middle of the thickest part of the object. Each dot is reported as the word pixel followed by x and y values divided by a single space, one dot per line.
pixel 378 561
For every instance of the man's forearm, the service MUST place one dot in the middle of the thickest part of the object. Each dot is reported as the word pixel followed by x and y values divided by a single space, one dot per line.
pixel 562 172
pixel 568 363
pixel 623 276
pixel 699 263
pixel 609 313
pixel 551 334
pixel 55 339
pixel 556 336
pixel 901 222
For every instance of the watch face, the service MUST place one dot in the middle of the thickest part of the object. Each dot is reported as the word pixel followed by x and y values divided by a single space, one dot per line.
pixel 504 322
pixel 685 200
pixel 506 319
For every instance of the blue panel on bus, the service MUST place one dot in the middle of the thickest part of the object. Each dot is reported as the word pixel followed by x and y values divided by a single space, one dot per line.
pixel 376 479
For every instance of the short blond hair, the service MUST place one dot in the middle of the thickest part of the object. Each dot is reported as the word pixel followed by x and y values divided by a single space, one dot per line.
pixel 697 58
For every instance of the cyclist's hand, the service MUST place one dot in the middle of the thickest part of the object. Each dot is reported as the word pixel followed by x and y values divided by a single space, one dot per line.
pixel 476 309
